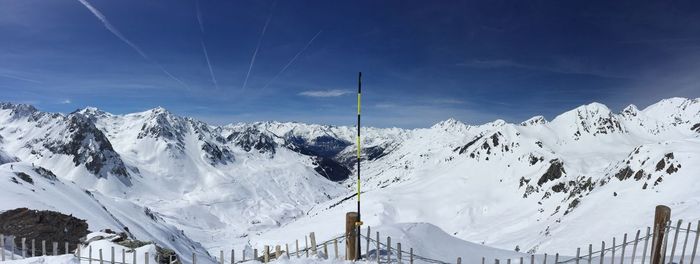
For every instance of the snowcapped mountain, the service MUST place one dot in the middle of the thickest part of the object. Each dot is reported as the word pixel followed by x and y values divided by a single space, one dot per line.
pixel 539 185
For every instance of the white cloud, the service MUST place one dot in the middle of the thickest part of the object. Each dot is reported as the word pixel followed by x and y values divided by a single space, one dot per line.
pixel 67 101
pixel 325 93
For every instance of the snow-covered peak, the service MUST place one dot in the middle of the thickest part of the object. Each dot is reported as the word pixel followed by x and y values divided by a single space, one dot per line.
pixel 535 120
pixel 630 111
pixel 591 119
pixel 450 124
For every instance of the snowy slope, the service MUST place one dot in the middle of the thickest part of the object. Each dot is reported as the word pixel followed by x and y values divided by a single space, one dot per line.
pixel 539 185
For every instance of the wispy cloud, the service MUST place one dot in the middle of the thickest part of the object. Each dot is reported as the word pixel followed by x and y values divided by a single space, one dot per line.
pixel 257 47
pixel 293 59
pixel 17 77
pixel 67 101
pixel 121 36
pixel 325 93
pixel 199 16
pixel 447 101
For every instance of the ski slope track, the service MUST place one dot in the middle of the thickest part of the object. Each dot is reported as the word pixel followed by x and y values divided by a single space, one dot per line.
pixel 541 186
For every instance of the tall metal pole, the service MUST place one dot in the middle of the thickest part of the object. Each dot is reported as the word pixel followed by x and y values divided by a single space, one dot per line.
pixel 359 218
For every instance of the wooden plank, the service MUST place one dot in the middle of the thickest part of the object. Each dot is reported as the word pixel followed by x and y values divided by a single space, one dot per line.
pixel 278 251
pixel 112 255
pixel 590 253
pixel 146 259
pixel 378 247
pixel 66 247
pixel 267 254
pixel 133 257
pixel 297 245
pixel 351 218
pixel 335 247
pixel 221 256
pixel 43 247
pixel 612 259
pixel 286 250
pixel 646 243
pixel 545 259
pixel 312 238
pixel 325 250
pixel 388 249
pixel 34 247
pixel 2 247
pixel 602 252
pixel 665 242
pixel 634 246
pixel 101 260
pixel 556 258
pixel 459 260
pixel 90 254
pixel 578 256
pixel 685 242
pixel 306 245
pixel 675 241
pixel 123 255
pixel 24 247
pixel 695 245
pixel 411 258
pixel 624 245
pixel 233 256
pixel 399 255
pixel 532 259
pixel 367 242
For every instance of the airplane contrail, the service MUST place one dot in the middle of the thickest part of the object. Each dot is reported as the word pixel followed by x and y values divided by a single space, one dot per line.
pixel 293 59
pixel 257 47
pixel 211 71
pixel 119 35
pixel 11 76
pixel 204 46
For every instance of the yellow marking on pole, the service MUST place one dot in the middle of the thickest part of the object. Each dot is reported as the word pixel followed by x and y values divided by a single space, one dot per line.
pixel 358 102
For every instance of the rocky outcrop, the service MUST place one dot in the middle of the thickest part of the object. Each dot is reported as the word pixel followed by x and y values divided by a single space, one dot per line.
pixel 43 225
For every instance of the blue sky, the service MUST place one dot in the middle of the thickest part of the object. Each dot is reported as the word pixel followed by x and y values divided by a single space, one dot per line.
pixel 422 61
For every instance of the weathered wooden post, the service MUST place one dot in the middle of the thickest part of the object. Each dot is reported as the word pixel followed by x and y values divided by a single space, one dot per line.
pixel 556 258
pixel 532 259
pixel 685 242
pixel 325 250
pixel 278 252
pixel 602 252
pixel 351 235
pixel 312 238
pixel 267 254
pixel 33 247
pixel 66 247
pixel 255 254
pixel 43 247
pixel 146 260
pixel 306 245
pixel 123 255
pixel 612 259
pixel 459 260
pixel 133 257
pixel 662 215
pixel 297 244
pixel 545 259
pixel 55 248
pixel 194 258
pixel 90 254
pixel 286 249
pixel 221 256
pixel 233 256
pixel 411 258
pixel 521 260
pixel 112 256
pixel 590 253
pixel 101 260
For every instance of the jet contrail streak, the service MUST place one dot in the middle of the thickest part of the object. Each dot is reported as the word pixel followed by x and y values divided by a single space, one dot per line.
pixel 119 35
pixel 257 47
pixel 204 46
pixel 10 76
pixel 293 59
pixel 211 71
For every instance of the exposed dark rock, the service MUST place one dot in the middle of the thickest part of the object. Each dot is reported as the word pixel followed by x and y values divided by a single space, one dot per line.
pixel 252 138
pixel 671 169
pixel 555 171
pixel 661 165
pixel 323 146
pixel 217 155
pixel 696 128
pixel 25 177
pixel 45 173
pixel 331 169
pixel 624 173
pixel 43 225
pixel 375 152
pixel 469 144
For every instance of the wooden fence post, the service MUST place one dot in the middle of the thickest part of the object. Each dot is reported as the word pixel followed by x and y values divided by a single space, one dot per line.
pixel 459 260
pixel 521 260
pixel 145 258
pixel 33 247
pixel 556 257
pixel 685 242
pixel 695 245
pixel 66 247
pixel 612 259
pixel 367 243
pixel 411 258
pixel 532 259
pixel 646 243
pixel 133 257
pixel 123 255
pixel 675 239
pixel 221 256
pixel 43 247
pixel 351 218
pixel 578 254
pixel 335 247
pixel 624 244
pixel 267 254
pixel 602 252
pixel 325 250
pixel 55 248
pixel 398 255
pixel 662 215
pixel 2 247
pixel 297 243
pixel 24 248
pixel 112 257
pixel 278 252
pixel 312 237
pixel 634 246
pixel 388 249
pixel 545 259
pixel 233 256
pixel 89 254
pixel 508 261
pixel 101 260
pixel 378 247
pixel 306 245
pixel 255 254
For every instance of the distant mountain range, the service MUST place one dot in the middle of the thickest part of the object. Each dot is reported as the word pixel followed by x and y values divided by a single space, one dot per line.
pixel 539 185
